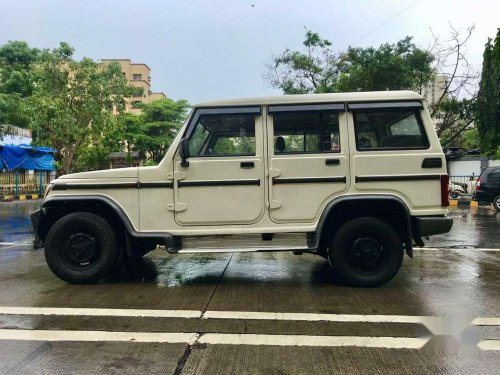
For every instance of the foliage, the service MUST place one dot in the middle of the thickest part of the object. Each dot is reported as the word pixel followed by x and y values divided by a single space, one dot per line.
pixel 318 69
pixel 488 108
pixel 16 61
pixel 161 122
pixel 73 102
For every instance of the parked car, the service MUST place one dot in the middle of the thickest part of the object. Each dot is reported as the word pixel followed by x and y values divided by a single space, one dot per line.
pixel 488 187
pixel 356 178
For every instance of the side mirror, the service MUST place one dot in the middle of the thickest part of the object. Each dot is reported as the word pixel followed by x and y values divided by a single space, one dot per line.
pixel 184 151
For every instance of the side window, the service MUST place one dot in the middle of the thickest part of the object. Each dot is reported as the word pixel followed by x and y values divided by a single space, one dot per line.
pixel 306 132
pixel 389 129
pixel 223 134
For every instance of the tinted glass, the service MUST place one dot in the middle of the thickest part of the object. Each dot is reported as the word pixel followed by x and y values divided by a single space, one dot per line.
pixel 389 129
pixel 306 132
pixel 225 134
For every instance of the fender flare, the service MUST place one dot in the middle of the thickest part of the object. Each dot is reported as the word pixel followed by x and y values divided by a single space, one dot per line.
pixel 62 202
pixel 379 197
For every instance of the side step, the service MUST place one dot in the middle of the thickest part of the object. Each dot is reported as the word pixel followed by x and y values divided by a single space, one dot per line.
pixel 296 242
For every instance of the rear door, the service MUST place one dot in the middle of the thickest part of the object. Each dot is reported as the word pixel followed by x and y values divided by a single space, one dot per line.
pixel 223 183
pixel 308 159
pixel 395 150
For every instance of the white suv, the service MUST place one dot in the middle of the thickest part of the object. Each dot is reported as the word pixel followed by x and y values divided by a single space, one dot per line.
pixel 357 178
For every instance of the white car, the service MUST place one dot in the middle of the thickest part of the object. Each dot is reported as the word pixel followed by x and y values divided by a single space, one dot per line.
pixel 357 178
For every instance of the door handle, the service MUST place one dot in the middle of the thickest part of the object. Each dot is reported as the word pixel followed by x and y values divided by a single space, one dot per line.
pixel 332 161
pixel 247 164
pixel 432 163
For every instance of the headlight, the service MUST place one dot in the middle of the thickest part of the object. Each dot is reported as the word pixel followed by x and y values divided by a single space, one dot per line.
pixel 47 190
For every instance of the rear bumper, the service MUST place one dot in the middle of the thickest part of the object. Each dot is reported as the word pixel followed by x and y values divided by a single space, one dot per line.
pixel 482 196
pixel 423 226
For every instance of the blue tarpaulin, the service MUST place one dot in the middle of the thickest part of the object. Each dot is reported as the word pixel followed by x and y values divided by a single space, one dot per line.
pixel 26 157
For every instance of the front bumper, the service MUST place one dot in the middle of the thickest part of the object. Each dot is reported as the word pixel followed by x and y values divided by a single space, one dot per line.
pixel 423 226
pixel 35 222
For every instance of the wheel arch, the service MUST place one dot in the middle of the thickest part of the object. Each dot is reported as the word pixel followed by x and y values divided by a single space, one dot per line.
pixel 53 208
pixel 389 208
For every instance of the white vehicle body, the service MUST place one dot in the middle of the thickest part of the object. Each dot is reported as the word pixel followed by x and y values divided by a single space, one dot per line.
pixel 270 199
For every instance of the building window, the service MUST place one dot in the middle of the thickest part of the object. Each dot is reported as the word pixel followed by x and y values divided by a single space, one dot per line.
pixel 137 77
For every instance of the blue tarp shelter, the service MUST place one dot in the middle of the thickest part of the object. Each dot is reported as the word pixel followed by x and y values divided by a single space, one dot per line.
pixel 26 157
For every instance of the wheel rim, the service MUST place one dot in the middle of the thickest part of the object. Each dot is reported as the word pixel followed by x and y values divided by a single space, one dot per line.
pixel 81 250
pixel 497 202
pixel 367 255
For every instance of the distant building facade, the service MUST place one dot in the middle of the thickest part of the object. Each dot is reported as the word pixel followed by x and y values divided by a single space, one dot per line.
pixel 433 93
pixel 138 75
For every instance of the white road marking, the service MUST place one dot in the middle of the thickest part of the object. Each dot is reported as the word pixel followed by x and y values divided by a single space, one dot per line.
pixel 49 335
pixel 489 345
pixel 257 315
pixel 302 340
pixel 213 338
pixel 226 339
pixel 249 315
pixel 75 311
pixel 486 322
pixel 485 249
pixel 7 243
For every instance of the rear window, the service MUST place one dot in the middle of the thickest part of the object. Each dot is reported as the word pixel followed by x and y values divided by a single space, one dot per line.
pixel 389 129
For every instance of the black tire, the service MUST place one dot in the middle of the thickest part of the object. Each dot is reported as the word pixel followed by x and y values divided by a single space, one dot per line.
pixel 366 252
pixel 81 248
pixel 454 194
pixel 496 203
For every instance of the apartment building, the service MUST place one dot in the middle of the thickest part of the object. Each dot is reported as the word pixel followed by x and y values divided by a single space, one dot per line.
pixel 138 75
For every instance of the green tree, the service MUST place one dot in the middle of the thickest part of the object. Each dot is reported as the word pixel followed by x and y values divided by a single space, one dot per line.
pixel 488 106
pixel 318 69
pixel 162 120
pixel 16 61
pixel 73 102
pixel 397 66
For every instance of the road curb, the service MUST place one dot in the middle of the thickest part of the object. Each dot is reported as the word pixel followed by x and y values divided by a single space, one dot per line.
pixel 463 202
pixel 21 197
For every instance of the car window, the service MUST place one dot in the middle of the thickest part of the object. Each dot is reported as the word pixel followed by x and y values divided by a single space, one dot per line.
pixel 306 132
pixel 389 129
pixel 223 134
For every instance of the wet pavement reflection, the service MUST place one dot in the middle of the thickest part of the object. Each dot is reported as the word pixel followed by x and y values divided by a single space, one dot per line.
pixel 458 280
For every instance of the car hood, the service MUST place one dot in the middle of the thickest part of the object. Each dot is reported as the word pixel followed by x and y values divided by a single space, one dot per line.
pixel 131 172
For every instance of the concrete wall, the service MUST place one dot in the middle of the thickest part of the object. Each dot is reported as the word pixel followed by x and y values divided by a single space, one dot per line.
pixel 469 166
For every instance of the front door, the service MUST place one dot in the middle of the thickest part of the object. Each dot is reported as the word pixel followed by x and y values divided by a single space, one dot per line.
pixel 308 159
pixel 223 183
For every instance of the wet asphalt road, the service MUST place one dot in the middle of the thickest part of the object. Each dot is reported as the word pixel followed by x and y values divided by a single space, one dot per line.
pixel 450 285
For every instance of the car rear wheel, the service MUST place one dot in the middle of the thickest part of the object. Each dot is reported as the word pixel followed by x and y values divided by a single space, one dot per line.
pixel 81 248
pixel 496 203
pixel 366 252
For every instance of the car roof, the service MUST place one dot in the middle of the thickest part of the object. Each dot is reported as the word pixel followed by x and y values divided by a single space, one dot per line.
pixel 372 96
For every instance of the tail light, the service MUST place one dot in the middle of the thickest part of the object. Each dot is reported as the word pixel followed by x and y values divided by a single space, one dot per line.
pixel 445 180
pixel 478 184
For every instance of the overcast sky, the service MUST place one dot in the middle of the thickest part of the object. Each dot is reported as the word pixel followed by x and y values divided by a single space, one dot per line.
pixel 202 50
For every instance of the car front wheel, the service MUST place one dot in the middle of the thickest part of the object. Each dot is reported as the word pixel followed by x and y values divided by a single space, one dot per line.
pixel 81 248
pixel 366 252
